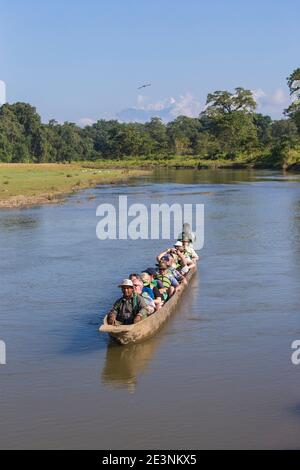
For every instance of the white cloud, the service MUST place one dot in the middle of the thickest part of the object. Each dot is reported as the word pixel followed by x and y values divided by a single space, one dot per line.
pixel 271 103
pixel 2 92
pixel 86 122
pixel 258 94
pixel 167 109
pixel 187 105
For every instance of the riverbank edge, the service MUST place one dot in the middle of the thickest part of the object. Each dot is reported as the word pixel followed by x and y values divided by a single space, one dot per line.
pixel 128 169
pixel 192 165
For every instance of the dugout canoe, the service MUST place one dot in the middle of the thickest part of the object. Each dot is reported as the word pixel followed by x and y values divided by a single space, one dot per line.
pixel 125 334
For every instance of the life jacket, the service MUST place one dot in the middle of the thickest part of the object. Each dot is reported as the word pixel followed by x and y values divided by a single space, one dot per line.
pixel 188 254
pixel 165 280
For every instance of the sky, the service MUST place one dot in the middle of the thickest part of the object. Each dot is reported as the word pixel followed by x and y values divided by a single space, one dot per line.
pixel 80 61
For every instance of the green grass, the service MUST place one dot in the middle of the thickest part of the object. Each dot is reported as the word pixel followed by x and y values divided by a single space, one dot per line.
pixel 38 183
pixel 256 160
pixel 51 179
pixel 167 162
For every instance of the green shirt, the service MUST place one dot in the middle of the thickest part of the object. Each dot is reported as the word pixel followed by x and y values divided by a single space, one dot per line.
pixel 127 309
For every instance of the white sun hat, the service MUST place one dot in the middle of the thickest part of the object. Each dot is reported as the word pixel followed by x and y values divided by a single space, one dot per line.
pixel 126 283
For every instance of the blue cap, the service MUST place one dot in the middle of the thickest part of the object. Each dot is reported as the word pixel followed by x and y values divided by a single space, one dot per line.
pixel 151 271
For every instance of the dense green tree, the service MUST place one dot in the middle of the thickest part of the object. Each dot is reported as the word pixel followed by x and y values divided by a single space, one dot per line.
pixel 21 153
pixel 103 133
pixel 224 102
pixel 229 127
pixel 207 146
pixel 10 126
pixel 30 121
pixel 293 111
pixel 71 143
pixel 293 81
pixel 284 139
pixel 6 148
pixel 158 134
pixel 236 133
pixel 229 118
pixel 263 126
pixel 183 134
pixel 285 132
pixel 135 140
pixel 12 136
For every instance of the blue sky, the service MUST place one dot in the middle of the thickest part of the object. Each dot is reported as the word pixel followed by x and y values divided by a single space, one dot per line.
pixel 80 61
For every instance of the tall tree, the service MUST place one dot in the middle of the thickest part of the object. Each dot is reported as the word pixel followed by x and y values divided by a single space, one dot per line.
pixel 224 102
pixel 158 134
pixel 12 135
pixel 293 111
pixel 183 134
pixel 263 125
pixel 229 118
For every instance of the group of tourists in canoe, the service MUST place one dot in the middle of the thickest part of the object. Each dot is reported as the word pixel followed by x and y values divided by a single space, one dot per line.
pixel 146 293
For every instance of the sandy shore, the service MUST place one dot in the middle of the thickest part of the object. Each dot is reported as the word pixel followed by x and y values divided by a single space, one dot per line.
pixel 23 201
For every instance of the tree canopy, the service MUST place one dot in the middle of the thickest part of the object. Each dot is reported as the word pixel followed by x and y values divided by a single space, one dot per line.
pixel 293 111
pixel 229 127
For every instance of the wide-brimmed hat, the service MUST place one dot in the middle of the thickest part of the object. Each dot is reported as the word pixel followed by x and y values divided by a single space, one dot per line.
pixel 126 283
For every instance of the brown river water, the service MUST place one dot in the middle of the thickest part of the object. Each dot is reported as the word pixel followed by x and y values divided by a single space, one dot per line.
pixel 219 373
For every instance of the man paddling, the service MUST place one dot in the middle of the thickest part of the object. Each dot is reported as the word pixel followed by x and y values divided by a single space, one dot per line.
pixel 131 308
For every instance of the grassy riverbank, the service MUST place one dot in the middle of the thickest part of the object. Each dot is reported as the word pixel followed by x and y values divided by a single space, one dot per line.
pixel 290 161
pixel 24 184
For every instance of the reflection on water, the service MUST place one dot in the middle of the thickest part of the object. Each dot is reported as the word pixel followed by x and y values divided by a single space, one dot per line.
pixel 219 176
pixel 204 176
pixel 123 364
pixel 10 223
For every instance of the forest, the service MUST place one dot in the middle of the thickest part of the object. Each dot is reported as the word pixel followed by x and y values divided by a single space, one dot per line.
pixel 229 129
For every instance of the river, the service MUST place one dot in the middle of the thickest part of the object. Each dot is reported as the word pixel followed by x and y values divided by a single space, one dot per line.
pixel 218 375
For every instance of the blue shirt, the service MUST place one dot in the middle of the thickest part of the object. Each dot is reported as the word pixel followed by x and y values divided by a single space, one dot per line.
pixel 149 291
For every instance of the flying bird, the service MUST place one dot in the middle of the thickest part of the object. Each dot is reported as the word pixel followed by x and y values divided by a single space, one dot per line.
pixel 144 86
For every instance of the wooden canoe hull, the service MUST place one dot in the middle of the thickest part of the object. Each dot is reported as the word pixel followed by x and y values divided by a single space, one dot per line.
pixel 142 330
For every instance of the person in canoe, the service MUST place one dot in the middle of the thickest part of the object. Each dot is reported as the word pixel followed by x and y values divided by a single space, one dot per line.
pixel 157 284
pixel 182 263
pixel 152 290
pixel 187 233
pixel 189 251
pixel 172 267
pixel 138 287
pixel 130 308
pixel 170 284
